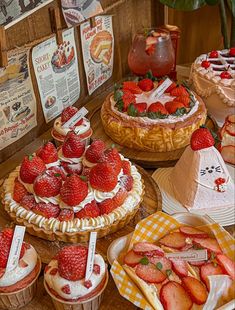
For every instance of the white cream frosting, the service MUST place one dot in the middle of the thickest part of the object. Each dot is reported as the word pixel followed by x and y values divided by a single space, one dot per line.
pixel 85 126
pixel 19 273
pixel 77 288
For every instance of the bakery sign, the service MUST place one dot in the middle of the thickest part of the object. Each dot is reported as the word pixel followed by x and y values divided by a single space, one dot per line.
pixel 98 51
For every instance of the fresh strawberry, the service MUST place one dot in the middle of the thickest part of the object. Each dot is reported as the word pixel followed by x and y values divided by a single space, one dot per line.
pixel 214 54
pixel 48 153
pixel 57 171
pixel 72 262
pixel 162 263
pixel 175 240
pixel 48 210
pixel 179 91
pixel 86 172
pixel 107 206
pixel 146 84
pixel 205 64
pixel 67 113
pixel 66 215
pixel 190 231
pixel 210 244
pixel 227 264
pixel 30 168
pixel 72 168
pixel 174 297
pixel 96 269
pixel 158 107
pixel 46 185
pixel 225 75
pixel 19 191
pixel 195 289
pixel 28 202
pixel 173 106
pixel 232 52
pixel 140 107
pixel 127 99
pixel 147 249
pixel 73 147
pixel 112 157
pixel 127 182
pixel 183 99
pixel 89 211
pixel 88 284
pixel 120 197
pixel 132 259
pixel 102 177
pixel 132 87
pixel 66 289
pixel 201 139
pixel 74 190
pixel 171 87
pixel 180 267
pixel 150 49
pixel 150 273
pixel 95 151
pixel 209 269
pixel 126 167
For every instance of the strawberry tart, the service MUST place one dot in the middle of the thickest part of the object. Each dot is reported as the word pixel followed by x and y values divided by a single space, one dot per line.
pixel 17 286
pixel 172 283
pixel 61 127
pixel 68 192
pixel 64 279
pixel 133 117
pixel 227 137
pixel 213 77
pixel 202 169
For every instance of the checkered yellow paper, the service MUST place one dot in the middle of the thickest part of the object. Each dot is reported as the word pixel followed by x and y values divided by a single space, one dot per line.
pixel 152 229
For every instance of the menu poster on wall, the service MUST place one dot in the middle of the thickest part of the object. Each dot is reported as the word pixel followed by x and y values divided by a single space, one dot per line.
pixel 12 11
pixel 56 70
pixel 98 51
pixel 76 11
pixel 17 101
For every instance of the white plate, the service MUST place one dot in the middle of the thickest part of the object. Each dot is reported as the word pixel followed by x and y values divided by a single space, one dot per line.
pixel 170 205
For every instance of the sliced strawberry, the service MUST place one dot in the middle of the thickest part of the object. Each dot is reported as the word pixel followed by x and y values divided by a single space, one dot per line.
pixel 132 87
pixel 174 297
pixel 147 249
pixel 90 210
pixel 28 202
pixel 195 289
pixel 19 191
pixel 127 182
pixel 66 289
pixel 126 167
pixel 149 273
pixel 162 263
pixel 209 269
pixel 140 107
pixel 193 232
pixel 197 263
pixel 227 264
pixel 180 267
pixel 72 168
pixel 227 153
pixel 66 215
pixel 120 197
pixel 146 84
pixel 175 240
pixel 132 259
pixel 210 244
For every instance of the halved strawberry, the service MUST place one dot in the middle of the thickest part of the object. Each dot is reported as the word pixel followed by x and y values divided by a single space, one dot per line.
pixel 48 210
pixel 66 215
pixel 127 99
pixel 158 107
pixel 183 99
pixel 209 269
pixel 162 263
pixel 197 263
pixel 140 107
pixel 132 87
pixel 179 91
pixel 227 153
pixel 146 84
pixel 126 167
pixel 28 202
pixel 19 191
pixel 174 297
pixel 210 244
pixel 227 264
pixel 193 232
pixel 175 240
pixel 120 197
pixel 173 106
pixel 89 211
pixel 132 259
pixel 127 182
pixel 147 249
pixel 180 267
pixel 150 273
pixel 195 289
pixel 107 206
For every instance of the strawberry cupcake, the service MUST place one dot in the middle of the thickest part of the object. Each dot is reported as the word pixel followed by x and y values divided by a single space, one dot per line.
pixel 60 129
pixel 17 286
pixel 64 279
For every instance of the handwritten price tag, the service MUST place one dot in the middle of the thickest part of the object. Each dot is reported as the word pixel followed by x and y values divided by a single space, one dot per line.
pixel 15 249
pixel 192 256
pixel 91 255
pixel 75 118
pixel 160 89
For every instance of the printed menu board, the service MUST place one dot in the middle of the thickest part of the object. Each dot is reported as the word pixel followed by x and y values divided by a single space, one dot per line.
pixel 57 74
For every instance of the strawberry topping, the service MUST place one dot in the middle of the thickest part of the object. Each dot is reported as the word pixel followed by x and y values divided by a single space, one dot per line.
pixel 48 153
pixel 19 191
pixel 30 168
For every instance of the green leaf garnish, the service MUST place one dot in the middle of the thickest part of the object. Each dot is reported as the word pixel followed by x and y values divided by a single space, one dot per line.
pixel 83 177
pixel 132 111
pixel 57 175
pixel 118 95
pixel 30 157
pixel 159 266
pixel 144 261
pixel 120 104
pixel 168 272
pixel 180 112
pixel 156 115
pixel 212 255
pixel 117 86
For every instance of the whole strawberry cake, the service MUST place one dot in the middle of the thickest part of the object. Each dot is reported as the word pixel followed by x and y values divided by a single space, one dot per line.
pixel 64 276
pixel 67 192
pixel 133 117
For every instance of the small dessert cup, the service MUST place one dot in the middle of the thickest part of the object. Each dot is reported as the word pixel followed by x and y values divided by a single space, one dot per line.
pixel 59 139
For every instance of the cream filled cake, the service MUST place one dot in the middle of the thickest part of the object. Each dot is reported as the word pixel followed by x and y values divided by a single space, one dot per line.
pixel 227 137
pixel 213 77
pixel 67 192
pixel 200 179
pixel 133 117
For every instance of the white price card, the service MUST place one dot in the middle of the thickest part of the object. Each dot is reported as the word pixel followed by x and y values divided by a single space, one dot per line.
pixel 91 255
pixel 75 118
pixel 192 256
pixel 15 249
pixel 160 89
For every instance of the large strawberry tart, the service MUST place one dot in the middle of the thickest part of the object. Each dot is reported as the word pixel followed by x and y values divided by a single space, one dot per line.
pixel 213 77
pixel 67 192
pixel 132 117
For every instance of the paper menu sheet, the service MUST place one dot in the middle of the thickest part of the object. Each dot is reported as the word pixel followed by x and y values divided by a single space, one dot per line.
pixel 17 100
pixel 98 51
pixel 57 74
